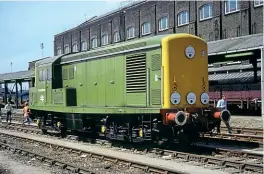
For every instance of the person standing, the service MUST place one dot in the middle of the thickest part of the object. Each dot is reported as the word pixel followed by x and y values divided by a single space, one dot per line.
pixel 222 105
pixel 26 112
pixel 8 108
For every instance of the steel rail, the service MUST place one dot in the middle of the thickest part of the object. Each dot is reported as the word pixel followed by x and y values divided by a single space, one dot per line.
pixel 236 130
pixel 213 160
pixel 233 153
pixel 50 160
pixel 247 140
pixel 237 137
pixel 240 130
pixel 242 166
pixel 130 163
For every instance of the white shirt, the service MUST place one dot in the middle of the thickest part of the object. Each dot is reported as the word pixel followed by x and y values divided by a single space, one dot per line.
pixel 8 107
pixel 222 104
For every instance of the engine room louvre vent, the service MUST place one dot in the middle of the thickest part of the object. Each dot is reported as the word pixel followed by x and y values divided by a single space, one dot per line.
pixel 136 73
pixel 155 62
pixel 155 96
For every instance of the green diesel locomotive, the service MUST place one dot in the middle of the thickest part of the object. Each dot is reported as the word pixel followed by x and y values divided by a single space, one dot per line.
pixel 147 89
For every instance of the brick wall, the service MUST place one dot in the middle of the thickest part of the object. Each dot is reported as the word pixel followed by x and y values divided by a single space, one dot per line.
pixel 247 20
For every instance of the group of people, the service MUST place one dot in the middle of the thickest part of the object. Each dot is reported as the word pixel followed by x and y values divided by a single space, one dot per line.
pixel 26 113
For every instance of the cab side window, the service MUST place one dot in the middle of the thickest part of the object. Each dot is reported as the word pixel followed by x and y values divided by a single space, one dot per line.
pixel 65 74
pixel 49 74
pixel 71 72
pixel 44 74
pixel 40 75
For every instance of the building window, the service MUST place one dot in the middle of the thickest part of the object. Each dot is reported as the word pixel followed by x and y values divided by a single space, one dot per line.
pixel 183 18
pixel 58 51
pixel 94 42
pixel 258 3
pixel 74 48
pixel 116 36
pixel 84 46
pixel 130 32
pixel 66 49
pixel 105 39
pixel 145 28
pixel 206 12
pixel 231 6
pixel 163 23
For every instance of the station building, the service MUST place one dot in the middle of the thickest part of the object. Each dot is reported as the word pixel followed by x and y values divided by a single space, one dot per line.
pixel 210 20
pixel 229 27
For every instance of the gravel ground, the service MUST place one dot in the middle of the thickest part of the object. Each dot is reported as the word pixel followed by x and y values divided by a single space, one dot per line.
pixel 83 160
pixel 246 122
pixel 11 165
pixel 235 122
pixel 175 165
pixel 3 170
pixel 178 160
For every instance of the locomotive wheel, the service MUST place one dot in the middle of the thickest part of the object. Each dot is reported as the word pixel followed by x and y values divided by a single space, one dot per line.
pixel 44 131
pixel 63 131
pixel 184 139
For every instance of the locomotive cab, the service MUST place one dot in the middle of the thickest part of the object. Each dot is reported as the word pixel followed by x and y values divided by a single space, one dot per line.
pixel 185 100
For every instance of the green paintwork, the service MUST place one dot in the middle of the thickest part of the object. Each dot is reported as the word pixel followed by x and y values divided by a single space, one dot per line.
pixel 99 85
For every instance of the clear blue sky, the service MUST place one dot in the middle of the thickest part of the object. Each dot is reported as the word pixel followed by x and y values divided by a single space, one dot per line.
pixel 24 25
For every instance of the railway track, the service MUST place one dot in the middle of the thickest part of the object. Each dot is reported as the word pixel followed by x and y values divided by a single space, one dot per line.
pixel 45 159
pixel 222 161
pixel 241 139
pixel 148 168
pixel 239 130
pixel 254 140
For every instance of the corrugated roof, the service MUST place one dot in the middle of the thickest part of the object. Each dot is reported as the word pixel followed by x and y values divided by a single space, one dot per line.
pixel 235 44
pixel 17 75
pixel 243 77
pixel 233 67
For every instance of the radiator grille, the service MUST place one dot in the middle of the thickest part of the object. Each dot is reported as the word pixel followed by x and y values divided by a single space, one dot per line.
pixel 155 62
pixel 155 97
pixel 136 73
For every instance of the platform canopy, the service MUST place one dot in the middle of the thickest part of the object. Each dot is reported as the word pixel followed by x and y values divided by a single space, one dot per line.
pixel 237 44
pixel 20 75
pixel 234 78
pixel 235 49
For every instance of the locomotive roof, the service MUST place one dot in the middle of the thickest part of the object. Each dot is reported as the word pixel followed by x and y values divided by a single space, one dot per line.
pixel 214 47
pixel 113 48
pixel 46 61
